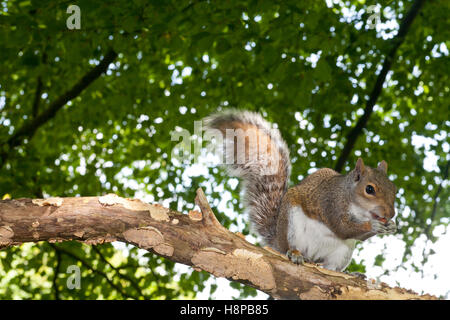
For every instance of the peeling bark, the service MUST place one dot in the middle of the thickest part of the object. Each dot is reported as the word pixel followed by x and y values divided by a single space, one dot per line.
pixel 196 239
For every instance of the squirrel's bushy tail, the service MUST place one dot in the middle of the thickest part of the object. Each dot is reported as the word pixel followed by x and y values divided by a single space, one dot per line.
pixel 255 152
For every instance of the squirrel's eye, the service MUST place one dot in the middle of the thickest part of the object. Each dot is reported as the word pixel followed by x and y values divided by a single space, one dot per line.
pixel 370 189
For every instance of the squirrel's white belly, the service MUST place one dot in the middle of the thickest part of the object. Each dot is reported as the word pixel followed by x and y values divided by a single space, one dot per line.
pixel 318 243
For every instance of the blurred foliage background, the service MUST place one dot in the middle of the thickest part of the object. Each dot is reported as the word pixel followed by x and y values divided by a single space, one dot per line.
pixel 308 66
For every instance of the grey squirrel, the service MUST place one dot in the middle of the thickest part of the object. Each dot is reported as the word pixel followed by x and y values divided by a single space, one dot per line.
pixel 320 219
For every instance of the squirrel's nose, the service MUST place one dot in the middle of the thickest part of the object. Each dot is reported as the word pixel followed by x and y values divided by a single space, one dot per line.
pixel 390 212
pixel 384 211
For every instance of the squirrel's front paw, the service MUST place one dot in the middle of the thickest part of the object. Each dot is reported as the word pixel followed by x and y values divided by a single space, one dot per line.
pixel 392 227
pixel 295 256
pixel 382 228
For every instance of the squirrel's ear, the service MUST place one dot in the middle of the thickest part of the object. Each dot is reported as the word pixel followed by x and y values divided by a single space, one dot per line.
pixel 359 169
pixel 383 166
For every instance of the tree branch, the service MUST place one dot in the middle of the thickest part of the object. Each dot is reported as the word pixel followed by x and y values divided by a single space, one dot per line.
pixel 37 97
pixel 435 201
pixel 196 239
pixel 356 131
pixel 56 272
pixel 29 129
pixel 38 92
pixel 123 276
pixel 94 270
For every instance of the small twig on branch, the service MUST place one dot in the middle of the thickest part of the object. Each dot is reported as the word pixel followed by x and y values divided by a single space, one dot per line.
pixel 208 215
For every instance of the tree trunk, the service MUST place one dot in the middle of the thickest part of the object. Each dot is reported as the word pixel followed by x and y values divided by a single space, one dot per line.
pixel 196 239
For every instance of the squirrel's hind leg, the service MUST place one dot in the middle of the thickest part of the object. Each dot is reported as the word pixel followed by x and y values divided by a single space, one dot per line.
pixel 296 257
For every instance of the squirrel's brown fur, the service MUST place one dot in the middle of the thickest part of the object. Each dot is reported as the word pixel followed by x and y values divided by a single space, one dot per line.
pixel 263 189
